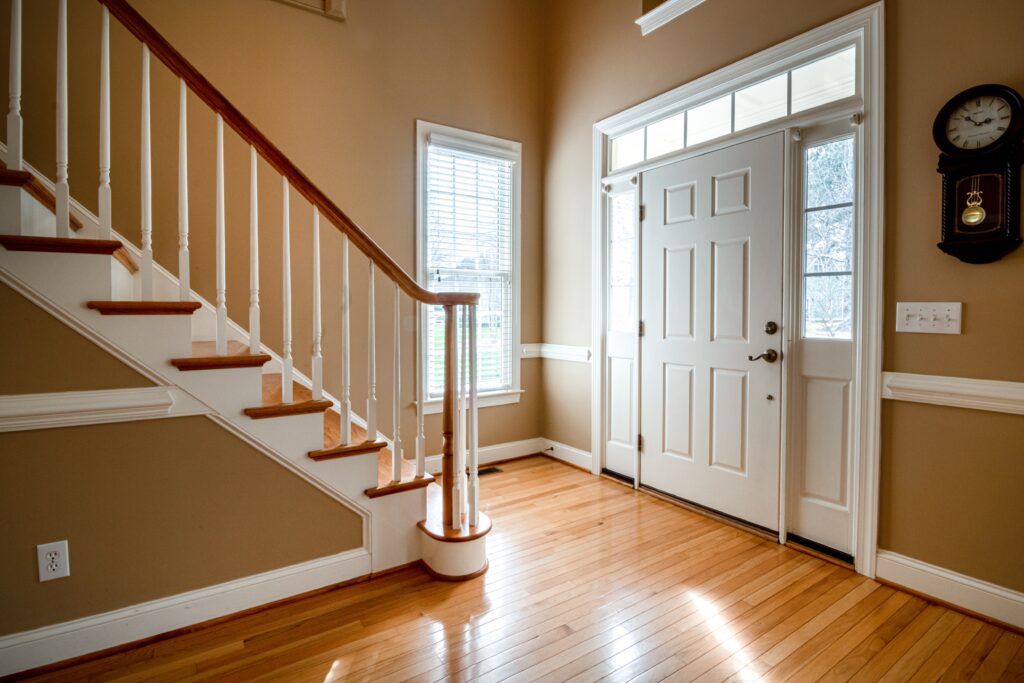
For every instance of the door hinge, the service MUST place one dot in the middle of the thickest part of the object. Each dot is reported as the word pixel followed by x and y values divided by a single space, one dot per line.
pixel 643 212
pixel 639 442
pixel 640 328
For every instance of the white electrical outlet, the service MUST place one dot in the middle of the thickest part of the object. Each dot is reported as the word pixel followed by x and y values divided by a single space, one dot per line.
pixel 929 318
pixel 53 560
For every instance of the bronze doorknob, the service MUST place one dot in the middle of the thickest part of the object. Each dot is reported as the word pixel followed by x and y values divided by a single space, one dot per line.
pixel 769 356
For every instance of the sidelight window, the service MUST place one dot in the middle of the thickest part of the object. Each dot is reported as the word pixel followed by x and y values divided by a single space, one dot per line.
pixel 828 230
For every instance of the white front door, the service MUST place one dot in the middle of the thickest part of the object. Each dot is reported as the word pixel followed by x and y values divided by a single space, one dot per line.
pixel 711 281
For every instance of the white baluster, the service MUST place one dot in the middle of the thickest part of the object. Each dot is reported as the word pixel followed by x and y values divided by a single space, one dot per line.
pixel 14 121
pixel 396 403
pixel 184 284
pixel 222 303
pixel 457 437
pixel 464 385
pixel 371 362
pixel 346 376
pixel 286 308
pixel 346 373
pixel 474 456
pixel 63 195
pixel 146 185
pixel 104 200
pixel 421 439
pixel 318 359
pixel 254 255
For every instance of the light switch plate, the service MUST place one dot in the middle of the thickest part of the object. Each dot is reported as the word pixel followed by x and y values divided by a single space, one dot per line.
pixel 929 317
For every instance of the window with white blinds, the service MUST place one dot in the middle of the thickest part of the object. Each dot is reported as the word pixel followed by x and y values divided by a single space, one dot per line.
pixel 468 243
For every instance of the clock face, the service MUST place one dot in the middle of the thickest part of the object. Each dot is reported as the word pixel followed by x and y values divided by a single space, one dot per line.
pixel 978 122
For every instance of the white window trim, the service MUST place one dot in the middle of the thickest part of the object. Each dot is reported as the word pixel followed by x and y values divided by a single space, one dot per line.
pixel 486 144
pixel 864 27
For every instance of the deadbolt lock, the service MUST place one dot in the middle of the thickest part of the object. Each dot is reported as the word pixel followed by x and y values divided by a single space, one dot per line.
pixel 771 327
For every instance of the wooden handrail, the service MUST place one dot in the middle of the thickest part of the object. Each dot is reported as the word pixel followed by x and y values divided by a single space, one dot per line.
pixel 213 98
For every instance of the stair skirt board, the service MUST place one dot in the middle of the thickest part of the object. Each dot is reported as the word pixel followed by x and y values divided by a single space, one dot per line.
pixel 50 644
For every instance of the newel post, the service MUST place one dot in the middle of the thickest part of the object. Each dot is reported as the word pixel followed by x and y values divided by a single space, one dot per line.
pixel 448 418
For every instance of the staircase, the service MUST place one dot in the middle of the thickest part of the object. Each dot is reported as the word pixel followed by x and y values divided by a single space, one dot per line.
pixel 74 264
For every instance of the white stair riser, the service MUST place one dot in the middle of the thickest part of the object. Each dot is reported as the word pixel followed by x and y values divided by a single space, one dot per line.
pixel 229 391
pixel 20 214
pixel 153 339
pixel 66 279
pixel 294 436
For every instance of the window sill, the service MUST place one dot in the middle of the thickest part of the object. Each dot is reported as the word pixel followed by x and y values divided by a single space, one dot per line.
pixel 497 398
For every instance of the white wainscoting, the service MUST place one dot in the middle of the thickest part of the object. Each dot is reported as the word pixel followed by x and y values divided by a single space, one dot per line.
pixel 30 649
pixel 579 354
pixel 521 449
pixel 19 412
pixel 973 594
pixel 959 392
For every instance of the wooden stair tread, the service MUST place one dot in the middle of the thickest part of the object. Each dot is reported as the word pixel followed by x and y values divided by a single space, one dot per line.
pixel 385 486
pixel 144 307
pixel 332 440
pixel 70 245
pixel 204 357
pixel 36 189
pixel 302 400
pixel 65 245
pixel 434 527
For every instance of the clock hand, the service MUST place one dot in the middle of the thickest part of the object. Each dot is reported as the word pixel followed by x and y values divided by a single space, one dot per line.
pixel 968 118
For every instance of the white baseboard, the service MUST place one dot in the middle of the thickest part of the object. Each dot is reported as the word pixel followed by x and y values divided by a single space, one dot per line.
pixel 578 354
pixel 982 597
pixel 49 644
pixel 501 451
pixel 520 449
pixel 573 456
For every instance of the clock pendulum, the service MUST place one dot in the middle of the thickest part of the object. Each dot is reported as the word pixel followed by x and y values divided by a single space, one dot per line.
pixel 974 214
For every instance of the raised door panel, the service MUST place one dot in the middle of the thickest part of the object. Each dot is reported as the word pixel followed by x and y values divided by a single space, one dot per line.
pixel 677 410
pixel 729 403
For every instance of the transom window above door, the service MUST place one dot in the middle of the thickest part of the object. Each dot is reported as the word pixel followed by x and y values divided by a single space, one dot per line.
pixel 795 89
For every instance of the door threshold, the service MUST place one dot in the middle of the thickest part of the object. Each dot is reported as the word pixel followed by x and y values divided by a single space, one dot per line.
pixel 722 517
pixel 622 478
pixel 819 550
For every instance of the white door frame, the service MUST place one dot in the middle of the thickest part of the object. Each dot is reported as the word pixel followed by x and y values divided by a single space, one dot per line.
pixel 865 29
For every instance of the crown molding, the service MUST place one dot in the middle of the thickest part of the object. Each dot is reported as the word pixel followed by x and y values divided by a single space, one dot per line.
pixel 664 13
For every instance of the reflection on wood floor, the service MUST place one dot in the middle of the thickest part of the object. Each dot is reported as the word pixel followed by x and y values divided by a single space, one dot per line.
pixel 590 580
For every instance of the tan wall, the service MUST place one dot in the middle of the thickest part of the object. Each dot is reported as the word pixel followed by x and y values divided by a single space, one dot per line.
pixel 150 509
pixel 341 99
pixel 57 358
pixel 599 65
pixel 648 5
pixel 951 489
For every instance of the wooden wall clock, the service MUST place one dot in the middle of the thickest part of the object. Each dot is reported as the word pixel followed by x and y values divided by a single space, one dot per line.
pixel 980 134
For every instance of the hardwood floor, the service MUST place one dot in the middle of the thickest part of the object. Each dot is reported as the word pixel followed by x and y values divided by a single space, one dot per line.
pixel 588 581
